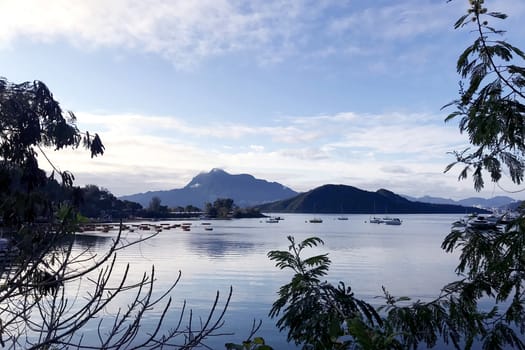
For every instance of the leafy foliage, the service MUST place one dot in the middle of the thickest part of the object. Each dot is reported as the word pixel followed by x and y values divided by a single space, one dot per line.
pixel 221 208
pixel 492 111
pixel 38 218
pixel 317 314
pixel 100 203
pixel 484 308
pixel 257 343
pixel 490 106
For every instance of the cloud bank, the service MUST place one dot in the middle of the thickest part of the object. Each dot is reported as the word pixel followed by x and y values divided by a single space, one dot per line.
pixel 404 153
pixel 187 32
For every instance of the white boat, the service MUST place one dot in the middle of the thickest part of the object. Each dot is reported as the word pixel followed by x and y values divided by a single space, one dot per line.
pixel 509 217
pixel 342 218
pixel 375 220
pixel 481 222
pixel 392 221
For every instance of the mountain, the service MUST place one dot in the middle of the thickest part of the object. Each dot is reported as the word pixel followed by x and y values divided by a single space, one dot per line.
pixel 501 202
pixel 244 189
pixel 348 199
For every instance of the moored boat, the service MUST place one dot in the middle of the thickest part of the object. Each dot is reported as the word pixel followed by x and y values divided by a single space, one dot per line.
pixel 375 220
pixel 481 222
pixel 392 221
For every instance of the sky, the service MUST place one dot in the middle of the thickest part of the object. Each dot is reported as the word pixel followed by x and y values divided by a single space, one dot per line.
pixel 300 92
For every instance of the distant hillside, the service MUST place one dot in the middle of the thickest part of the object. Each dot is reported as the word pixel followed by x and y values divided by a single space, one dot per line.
pixel 348 199
pixel 495 202
pixel 244 189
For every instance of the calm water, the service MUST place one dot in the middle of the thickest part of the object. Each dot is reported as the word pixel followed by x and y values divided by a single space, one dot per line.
pixel 406 259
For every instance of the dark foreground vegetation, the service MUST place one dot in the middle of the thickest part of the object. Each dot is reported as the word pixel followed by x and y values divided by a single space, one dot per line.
pixel 39 213
pixel 491 266
pixel 485 307
pixel 37 263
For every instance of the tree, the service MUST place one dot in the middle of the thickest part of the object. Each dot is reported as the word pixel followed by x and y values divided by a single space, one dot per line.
pixel 221 208
pixel 492 111
pixel 315 312
pixel 101 203
pixel 37 262
pixel 154 204
pixel 491 262
pixel 491 103
pixel 191 209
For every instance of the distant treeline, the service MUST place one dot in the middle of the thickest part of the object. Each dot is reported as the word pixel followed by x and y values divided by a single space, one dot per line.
pixel 99 203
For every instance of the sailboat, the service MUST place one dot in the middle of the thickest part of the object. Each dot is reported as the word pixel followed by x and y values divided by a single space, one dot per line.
pixel 344 218
pixel 375 220
pixel 315 220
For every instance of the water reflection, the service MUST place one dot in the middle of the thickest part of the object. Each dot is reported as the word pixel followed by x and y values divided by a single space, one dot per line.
pixel 218 246
pixel 88 241
pixel 407 259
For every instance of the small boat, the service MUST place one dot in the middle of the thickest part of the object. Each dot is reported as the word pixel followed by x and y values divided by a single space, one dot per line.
pixel 208 228
pixel 344 218
pixel 482 223
pixel 375 220
pixel 316 220
pixel 392 221
pixel 509 217
pixel 272 221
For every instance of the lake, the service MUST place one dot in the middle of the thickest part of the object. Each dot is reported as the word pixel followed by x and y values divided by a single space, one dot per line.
pixel 406 259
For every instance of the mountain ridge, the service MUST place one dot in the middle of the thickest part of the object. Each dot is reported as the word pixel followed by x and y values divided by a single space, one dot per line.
pixel 248 191
pixel 244 189
pixel 501 202
pixel 332 199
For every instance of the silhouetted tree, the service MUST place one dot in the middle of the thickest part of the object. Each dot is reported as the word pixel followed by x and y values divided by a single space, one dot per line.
pixel 485 307
pixel 38 262
pixel 221 208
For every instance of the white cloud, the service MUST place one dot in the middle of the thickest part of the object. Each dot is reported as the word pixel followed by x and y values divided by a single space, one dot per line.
pixel 399 20
pixel 187 32
pixel 182 31
pixel 257 148
pixel 159 153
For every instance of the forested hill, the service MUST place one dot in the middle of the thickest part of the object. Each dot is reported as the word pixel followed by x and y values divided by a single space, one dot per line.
pixel 351 200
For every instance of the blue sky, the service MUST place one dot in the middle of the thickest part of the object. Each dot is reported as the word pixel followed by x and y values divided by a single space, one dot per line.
pixel 300 92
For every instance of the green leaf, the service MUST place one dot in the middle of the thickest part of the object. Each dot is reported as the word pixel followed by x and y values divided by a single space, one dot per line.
pixel 258 340
pixel 499 15
pixel 461 21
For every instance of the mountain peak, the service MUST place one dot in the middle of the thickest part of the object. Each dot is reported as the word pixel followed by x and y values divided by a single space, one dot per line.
pixel 244 189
